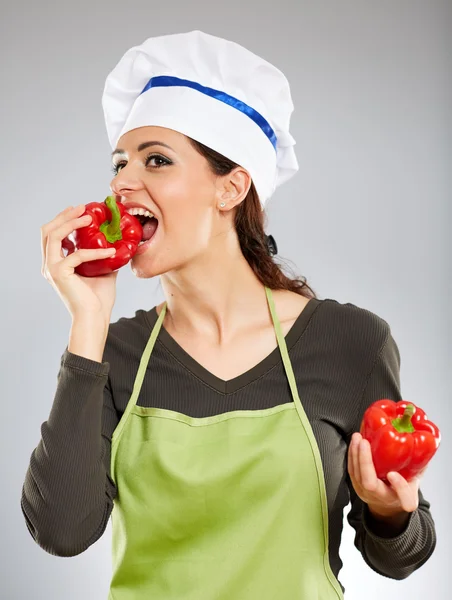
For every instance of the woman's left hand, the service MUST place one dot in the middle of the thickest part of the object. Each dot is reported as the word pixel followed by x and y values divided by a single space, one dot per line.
pixel 383 500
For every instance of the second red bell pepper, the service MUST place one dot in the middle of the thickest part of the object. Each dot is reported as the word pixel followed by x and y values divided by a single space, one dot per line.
pixel 401 437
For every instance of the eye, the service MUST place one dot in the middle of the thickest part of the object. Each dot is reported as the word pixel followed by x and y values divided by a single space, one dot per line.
pixel 115 168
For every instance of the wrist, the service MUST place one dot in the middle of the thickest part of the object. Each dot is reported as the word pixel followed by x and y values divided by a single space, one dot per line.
pixel 92 321
pixel 88 337
pixel 396 518
pixel 384 523
pixel 384 514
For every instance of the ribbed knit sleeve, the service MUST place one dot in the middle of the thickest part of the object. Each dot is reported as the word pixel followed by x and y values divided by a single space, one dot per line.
pixel 392 554
pixel 67 496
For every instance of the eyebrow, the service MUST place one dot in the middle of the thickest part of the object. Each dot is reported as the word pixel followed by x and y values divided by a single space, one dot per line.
pixel 142 147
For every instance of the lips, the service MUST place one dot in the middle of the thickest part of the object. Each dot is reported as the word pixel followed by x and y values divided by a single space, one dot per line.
pixel 129 205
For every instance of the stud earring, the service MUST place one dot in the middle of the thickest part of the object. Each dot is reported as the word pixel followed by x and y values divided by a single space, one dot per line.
pixel 222 204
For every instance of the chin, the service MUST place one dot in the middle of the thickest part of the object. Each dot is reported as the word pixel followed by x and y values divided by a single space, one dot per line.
pixel 144 267
pixel 144 271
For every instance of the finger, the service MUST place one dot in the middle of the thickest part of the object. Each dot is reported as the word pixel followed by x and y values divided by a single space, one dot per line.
pixel 56 222
pixel 406 493
pixel 44 232
pixel 56 236
pixel 369 479
pixel 61 270
pixel 373 486
pixel 85 254
pixel 350 467
pixel 67 213
pixel 355 456
pixel 62 217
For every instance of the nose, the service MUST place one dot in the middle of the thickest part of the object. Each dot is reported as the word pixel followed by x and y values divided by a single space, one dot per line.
pixel 121 185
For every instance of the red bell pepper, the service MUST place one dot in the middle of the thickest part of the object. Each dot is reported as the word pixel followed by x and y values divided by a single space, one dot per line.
pixel 111 226
pixel 401 437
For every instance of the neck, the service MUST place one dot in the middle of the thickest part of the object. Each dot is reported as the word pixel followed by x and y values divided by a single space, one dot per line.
pixel 216 297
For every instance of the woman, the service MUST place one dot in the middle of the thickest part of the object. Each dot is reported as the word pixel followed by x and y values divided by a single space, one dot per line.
pixel 220 428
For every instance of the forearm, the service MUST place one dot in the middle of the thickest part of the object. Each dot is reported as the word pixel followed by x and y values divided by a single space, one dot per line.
pixel 88 336
pixel 66 497
pixel 397 553
pixel 393 548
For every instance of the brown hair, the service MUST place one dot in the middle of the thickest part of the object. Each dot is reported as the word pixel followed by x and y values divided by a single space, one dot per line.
pixel 250 220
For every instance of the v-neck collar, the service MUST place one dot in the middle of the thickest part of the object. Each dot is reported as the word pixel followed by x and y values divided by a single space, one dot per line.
pixel 232 385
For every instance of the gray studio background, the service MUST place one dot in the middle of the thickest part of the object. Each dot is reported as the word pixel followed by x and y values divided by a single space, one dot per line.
pixel 366 219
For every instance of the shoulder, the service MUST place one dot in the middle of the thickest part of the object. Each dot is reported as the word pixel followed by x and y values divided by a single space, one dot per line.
pixel 129 332
pixel 140 320
pixel 353 314
pixel 359 332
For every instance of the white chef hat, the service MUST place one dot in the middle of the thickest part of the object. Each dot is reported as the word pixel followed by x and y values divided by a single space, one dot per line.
pixel 212 90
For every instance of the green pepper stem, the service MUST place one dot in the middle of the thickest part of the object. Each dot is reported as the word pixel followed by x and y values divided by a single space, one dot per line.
pixel 403 423
pixel 111 229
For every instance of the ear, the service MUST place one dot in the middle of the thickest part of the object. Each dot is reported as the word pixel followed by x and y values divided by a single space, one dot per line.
pixel 233 187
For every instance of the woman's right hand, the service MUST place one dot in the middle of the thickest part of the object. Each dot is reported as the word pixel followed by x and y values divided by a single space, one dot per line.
pixel 82 295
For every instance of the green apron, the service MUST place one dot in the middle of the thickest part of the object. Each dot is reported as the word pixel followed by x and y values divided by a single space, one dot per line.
pixel 227 507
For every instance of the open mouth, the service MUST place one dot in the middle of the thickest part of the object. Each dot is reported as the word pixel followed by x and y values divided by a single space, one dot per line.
pixel 149 225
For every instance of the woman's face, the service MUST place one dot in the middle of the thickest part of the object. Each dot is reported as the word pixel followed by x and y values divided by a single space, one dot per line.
pixel 173 181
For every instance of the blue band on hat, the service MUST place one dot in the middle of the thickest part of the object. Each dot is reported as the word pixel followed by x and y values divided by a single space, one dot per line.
pixel 166 81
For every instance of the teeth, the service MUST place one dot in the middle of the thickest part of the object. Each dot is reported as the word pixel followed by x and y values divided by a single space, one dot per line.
pixel 139 211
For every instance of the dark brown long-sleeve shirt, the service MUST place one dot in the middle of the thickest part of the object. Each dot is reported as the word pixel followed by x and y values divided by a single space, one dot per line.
pixel 344 358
